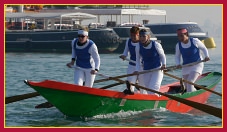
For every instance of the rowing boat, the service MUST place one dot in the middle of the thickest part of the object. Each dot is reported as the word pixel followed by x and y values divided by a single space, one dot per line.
pixel 80 101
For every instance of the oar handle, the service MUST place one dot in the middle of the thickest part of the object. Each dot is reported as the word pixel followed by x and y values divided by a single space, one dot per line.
pixel 172 67
pixel 132 74
pixel 193 63
pixel 186 65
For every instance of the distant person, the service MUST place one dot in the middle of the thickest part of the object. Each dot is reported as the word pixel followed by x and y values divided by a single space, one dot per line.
pixel 85 54
pixel 189 50
pixel 130 46
pixel 153 57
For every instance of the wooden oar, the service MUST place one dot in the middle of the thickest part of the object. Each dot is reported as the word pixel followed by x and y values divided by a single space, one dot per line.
pixel 111 85
pixel 20 97
pixel 203 107
pixel 199 86
pixel 127 75
pixel 173 67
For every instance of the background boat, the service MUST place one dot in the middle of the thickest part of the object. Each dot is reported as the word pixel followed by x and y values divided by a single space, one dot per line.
pixel 57 41
pixel 52 32
pixel 166 32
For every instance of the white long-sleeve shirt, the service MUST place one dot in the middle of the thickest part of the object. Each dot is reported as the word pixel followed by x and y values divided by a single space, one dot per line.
pixel 93 50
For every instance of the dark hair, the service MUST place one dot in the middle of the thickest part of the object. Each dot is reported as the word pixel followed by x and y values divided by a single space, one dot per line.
pixel 181 29
pixel 135 29
pixel 143 30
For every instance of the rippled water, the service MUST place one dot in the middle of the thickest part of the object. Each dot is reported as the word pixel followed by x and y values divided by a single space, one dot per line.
pixel 41 66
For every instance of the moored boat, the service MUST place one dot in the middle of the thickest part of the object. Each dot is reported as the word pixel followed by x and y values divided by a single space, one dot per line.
pixel 57 41
pixel 166 32
pixel 28 36
pixel 79 101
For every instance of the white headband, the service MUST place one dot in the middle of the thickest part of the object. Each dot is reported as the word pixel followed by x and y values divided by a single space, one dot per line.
pixel 83 32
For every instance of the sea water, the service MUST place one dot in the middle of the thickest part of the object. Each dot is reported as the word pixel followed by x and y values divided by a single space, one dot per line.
pixel 41 66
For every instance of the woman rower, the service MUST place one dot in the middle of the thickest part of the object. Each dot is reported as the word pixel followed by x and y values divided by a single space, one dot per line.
pixel 153 57
pixel 189 49
pixel 85 54
pixel 130 46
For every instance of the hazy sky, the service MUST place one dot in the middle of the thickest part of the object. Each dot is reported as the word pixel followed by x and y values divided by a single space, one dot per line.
pixel 181 13
pixel 199 14
pixel 209 18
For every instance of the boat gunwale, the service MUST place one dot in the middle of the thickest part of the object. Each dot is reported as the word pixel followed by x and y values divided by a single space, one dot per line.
pixel 92 91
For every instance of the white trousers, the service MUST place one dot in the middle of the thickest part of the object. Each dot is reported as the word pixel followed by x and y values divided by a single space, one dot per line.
pixel 153 81
pixel 191 77
pixel 134 79
pixel 84 76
